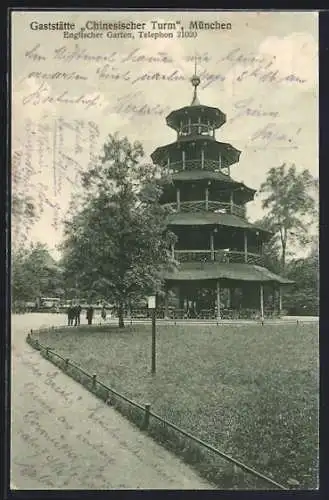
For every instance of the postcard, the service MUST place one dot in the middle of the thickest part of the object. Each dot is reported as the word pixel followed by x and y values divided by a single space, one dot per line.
pixel 164 173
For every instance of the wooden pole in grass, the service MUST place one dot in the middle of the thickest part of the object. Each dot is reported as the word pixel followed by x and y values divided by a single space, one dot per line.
pixel 152 307
pixel 261 301
pixel 218 299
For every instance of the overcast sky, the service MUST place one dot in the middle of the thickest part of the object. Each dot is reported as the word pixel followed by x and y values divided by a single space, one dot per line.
pixel 263 74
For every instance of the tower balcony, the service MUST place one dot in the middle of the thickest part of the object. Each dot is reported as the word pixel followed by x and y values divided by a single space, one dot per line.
pixel 220 256
pixel 196 128
pixel 198 164
pixel 208 205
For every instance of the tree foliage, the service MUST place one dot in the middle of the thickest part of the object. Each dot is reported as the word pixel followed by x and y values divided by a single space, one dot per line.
pixel 117 241
pixel 23 216
pixel 291 208
pixel 303 297
pixel 35 273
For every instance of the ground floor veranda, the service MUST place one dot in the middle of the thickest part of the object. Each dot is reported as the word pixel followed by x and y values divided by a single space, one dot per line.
pixel 217 299
pixel 222 299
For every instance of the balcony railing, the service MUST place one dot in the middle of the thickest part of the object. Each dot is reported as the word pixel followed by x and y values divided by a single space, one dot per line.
pixel 198 164
pixel 212 206
pixel 223 256
pixel 196 129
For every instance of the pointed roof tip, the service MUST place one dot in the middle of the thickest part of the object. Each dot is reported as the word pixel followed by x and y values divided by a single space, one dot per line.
pixel 195 80
pixel 195 101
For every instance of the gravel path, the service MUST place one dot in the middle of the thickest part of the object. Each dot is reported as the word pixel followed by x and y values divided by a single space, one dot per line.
pixel 65 438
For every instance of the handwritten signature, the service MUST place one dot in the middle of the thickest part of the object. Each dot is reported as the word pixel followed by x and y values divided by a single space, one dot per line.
pixel 248 108
pixel 270 134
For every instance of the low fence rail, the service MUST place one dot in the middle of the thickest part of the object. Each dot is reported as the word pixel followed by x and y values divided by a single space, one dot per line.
pixel 144 413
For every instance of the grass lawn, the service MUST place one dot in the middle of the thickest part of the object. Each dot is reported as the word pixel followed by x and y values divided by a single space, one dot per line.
pixel 249 390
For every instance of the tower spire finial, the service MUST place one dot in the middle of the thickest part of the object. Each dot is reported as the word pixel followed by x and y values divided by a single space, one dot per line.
pixel 195 80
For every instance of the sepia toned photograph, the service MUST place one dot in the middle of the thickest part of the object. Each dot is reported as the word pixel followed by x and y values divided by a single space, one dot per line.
pixel 164 250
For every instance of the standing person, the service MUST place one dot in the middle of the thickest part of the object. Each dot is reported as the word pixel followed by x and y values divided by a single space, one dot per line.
pixel 103 313
pixel 73 313
pixel 90 314
pixel 77 314
pixel 70 315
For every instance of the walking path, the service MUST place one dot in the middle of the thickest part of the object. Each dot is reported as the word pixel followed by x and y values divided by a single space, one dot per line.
pixel 63 437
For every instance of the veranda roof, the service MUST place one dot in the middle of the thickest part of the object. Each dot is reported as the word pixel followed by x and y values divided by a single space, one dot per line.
pixel 188 271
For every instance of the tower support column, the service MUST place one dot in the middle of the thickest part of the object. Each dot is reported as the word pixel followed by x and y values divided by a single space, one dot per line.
pixel 273 299
pixel 178 199
pixel 207 198
pixel 280 300
pixel 218 299
pixel 245 247
pixel 261 301
pixel 212 246
pixel 229 297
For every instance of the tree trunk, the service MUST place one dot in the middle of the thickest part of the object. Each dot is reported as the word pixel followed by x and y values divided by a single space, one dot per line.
pixel 120 315
pixel 283 257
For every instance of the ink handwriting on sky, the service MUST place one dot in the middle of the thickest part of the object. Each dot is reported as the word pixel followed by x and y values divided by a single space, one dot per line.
pixel 113 66
pixel 51 156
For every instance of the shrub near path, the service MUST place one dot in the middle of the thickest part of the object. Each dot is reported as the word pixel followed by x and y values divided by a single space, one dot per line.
pixel 249 390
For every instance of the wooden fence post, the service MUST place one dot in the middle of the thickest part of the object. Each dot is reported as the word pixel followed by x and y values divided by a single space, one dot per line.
pixel 146 416
pixel 94 380
pixel 67 363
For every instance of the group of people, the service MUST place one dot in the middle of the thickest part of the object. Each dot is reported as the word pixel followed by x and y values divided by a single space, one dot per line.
pixel 74 313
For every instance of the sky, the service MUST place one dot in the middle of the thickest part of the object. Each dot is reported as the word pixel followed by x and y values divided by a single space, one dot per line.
pixel 69 94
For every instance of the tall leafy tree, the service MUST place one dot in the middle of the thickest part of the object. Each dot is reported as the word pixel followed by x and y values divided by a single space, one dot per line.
pixel 289 198
pixel 23 216
pixel 117 243
pixel 35 273
pixel 303 297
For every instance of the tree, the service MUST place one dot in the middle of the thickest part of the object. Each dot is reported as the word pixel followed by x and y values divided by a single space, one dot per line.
pixel 303 297
pixel 23 216
pixel 116 243
pixel 271 248
pixel 35 273
pixel 290 202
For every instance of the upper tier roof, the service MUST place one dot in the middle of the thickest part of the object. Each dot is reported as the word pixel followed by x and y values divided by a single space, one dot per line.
pixel 230 154
pixel 196 110
pixel 199 175
pixel 186 177
pixel 212 219
pixel 215 116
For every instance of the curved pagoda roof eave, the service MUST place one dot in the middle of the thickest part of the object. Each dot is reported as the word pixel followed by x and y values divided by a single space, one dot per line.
pixel 213 219
pixel 216 115
pixel 208 175
pixel 194 271
pixel 232 154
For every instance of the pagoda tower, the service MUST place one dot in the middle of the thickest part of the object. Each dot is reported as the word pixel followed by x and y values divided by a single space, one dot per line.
pixel 220 271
